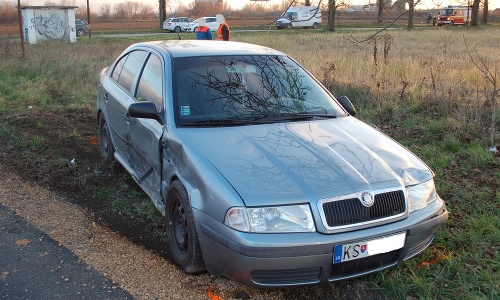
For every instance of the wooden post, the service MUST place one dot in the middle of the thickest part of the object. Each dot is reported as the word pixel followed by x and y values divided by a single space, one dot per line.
pixel 21 32
pixel 88 19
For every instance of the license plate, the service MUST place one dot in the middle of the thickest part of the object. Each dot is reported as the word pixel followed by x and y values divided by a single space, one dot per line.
pixel 342 253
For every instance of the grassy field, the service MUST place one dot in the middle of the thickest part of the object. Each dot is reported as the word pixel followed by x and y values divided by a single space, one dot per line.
pixel 422 87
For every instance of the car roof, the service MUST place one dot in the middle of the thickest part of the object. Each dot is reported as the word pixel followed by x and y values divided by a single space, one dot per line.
pixel 191 48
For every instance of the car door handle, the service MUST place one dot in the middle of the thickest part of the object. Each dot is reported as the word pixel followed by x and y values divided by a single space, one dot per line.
pixel 127 117
pixel 106 96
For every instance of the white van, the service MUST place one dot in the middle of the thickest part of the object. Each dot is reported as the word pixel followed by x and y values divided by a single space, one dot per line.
pixel 300 16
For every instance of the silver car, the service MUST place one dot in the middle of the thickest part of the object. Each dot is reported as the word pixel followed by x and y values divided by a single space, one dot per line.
pixel 263 176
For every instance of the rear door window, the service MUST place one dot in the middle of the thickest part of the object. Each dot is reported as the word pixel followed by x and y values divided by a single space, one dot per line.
pixel 126 69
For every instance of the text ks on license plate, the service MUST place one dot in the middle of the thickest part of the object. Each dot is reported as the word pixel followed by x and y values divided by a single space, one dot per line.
pixel 342 253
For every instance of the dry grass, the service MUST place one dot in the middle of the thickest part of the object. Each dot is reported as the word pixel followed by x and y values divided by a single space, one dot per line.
pixel 421 65
pixel 421 57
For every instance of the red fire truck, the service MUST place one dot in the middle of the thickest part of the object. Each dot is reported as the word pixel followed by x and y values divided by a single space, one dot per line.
pixel 454 15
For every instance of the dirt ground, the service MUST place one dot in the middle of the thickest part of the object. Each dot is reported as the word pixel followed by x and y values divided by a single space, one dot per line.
pixel 66 136
pixel 50 169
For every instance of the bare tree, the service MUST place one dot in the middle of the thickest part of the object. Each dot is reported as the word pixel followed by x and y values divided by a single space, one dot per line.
pixel 333 5
pixel 121 11
pixel 475 12
pixel 411 12
pixel 381 6
pixel 307 3
pixel 105 11
pixel 491 77
pixel 485 12
pixel 146 12
pixel 8 12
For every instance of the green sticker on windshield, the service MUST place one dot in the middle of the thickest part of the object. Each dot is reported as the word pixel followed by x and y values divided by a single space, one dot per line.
pixel 185 110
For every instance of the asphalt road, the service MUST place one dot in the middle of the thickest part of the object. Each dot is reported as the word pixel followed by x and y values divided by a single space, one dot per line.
pixel 34 266
pixel 245 30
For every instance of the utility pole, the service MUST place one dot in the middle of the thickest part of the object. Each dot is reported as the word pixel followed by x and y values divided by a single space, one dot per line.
pixel 162 14
pixel 88 19
pixel 21 31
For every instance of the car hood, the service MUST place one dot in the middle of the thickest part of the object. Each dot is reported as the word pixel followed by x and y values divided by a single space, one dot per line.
pixel 300 162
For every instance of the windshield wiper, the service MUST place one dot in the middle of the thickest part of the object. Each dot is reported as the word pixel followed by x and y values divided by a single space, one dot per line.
pixel 216 122
pixel 291 117
pixel 247 120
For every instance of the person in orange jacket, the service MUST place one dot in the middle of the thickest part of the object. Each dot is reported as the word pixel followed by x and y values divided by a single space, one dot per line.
pixel 223 33
pixel 203 32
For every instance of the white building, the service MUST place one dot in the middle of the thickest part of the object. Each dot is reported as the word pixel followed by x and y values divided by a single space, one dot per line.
pixel 48 23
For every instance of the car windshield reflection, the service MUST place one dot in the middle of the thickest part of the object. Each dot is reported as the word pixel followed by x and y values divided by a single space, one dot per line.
pixel 225 90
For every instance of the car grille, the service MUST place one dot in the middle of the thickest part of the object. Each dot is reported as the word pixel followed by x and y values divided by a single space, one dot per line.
pixel 364 265
pixel 286 277
pixel 351 212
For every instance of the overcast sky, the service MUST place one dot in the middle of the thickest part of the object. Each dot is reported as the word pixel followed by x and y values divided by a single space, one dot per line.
pixel 236 4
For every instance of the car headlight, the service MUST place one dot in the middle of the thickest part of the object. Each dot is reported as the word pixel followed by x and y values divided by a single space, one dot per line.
pixel 293 218
pixel 421 195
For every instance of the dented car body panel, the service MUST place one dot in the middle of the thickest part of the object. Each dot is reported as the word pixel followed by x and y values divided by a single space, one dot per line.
pixel 285 187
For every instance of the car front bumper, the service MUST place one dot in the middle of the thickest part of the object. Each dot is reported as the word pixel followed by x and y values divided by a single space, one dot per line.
pixel 281 25
pixel 273 260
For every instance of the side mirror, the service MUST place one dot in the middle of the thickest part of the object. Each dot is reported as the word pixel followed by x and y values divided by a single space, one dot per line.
pixel 146 109
pixel 347 105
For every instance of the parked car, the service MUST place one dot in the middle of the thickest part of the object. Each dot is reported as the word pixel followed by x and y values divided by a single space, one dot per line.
pixel 176 24
pixel 211 22
pixel 262 175
pixel 82 27
pixel 300 16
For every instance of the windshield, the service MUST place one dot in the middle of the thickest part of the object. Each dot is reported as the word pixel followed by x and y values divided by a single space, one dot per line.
pixel 290 15
pixel 446 12
pixel 237 88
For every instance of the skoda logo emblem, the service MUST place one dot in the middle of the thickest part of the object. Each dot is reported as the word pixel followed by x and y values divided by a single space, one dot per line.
pixel 367 199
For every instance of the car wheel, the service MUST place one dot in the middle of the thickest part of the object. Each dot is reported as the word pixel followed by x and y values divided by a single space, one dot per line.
pixel 181 230
pixel 80 32
pixel 177 29
pixel 289 26
pixel 452 23
pixel 315 25
pixel 195 29
pixel 105 145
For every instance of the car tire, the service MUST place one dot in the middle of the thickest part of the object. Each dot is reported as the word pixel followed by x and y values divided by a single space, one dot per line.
pixel 289 26
pixel 452 23
pixel 315 25
pixel 177 29
pixel 80 32
pixel 105 144
pixel 195 29
pixel 181 230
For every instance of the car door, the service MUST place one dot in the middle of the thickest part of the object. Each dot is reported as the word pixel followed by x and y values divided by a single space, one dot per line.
pixel 145 134
pixel 212 24
pixel 118 98
pixel 183 22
